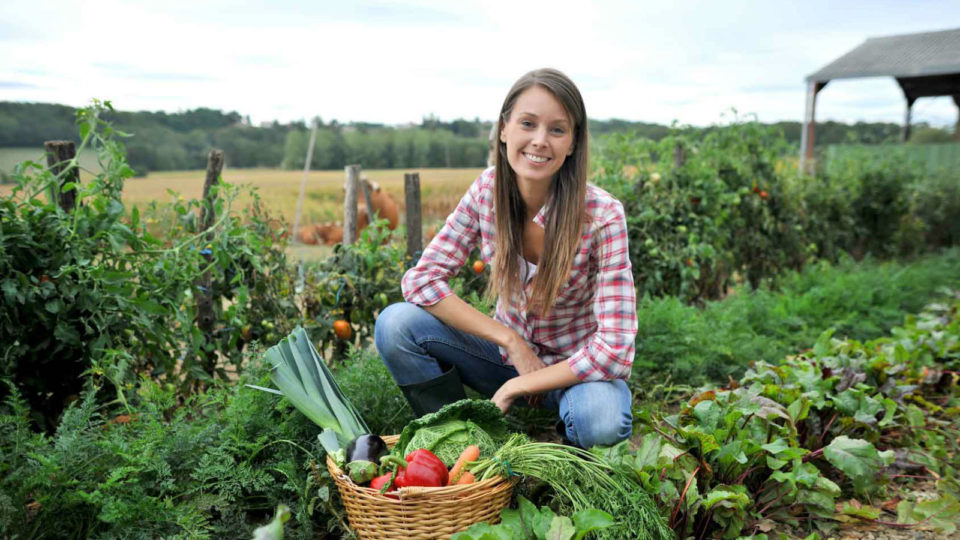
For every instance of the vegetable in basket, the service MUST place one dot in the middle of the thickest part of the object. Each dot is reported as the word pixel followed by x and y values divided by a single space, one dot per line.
pixel 303 378
pixel 420 468
pixel 454 427
pixel 363 457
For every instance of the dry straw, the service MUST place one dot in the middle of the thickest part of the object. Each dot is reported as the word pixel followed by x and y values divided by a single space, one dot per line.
pixel 420 513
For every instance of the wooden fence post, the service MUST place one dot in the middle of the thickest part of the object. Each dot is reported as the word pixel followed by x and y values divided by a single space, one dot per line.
pixel 679 155
pixel 365 187
pixel 350 204
pixel 411 190
pixel 205 312
pixel 59 153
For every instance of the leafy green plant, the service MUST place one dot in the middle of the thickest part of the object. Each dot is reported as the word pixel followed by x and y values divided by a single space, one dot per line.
pixel 765 448
pixel 531 523
pixel 861 301
pixel 94 287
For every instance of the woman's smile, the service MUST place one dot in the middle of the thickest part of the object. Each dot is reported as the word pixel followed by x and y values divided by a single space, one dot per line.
pixel 538 134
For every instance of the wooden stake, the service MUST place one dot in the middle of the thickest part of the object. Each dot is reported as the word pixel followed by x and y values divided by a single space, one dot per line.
pixel 350 204
pixel 411 190
pixel 205 311
pixel 59 153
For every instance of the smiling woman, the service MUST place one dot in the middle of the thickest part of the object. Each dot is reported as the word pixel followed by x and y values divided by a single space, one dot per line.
pixel 563 333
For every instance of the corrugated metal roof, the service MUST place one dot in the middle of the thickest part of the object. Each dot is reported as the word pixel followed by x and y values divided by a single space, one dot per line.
pixel 909 55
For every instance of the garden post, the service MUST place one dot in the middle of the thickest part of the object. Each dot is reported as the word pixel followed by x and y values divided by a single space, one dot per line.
pixel 205 311
pixel 679 155
pixel 59 154
pixel 350 204
pixel 411 191
pixel 365 186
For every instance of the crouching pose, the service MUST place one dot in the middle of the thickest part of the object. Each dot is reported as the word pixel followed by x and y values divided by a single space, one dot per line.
pixel 565 323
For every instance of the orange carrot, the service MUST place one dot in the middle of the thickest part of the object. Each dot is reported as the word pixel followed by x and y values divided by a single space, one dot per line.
pixel 466 477
pixel 470 453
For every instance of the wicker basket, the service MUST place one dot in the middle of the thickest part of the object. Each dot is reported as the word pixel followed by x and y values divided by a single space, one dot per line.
pixel 420 513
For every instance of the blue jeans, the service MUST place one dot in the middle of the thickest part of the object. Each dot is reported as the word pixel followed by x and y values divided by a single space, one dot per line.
pixel 413 343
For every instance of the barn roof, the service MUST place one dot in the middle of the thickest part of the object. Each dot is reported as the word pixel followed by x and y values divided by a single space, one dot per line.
pixel 902 56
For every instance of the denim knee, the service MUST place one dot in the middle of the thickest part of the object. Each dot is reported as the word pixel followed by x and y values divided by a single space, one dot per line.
pixel 396 334
pixel 393 327
pixel 597 413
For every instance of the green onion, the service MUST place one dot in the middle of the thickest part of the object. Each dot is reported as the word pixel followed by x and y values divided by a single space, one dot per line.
pixel 303 378
pixel 580 481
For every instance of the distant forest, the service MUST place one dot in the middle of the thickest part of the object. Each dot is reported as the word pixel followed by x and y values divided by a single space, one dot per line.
pixel 176 141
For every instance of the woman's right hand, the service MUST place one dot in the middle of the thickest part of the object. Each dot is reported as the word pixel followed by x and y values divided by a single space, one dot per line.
pixel 523 358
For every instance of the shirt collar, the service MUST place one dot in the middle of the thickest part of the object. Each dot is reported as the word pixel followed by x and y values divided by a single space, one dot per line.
pixel 541 217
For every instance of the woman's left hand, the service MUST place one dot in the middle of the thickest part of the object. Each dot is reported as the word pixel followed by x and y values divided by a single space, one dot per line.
pixel 505 396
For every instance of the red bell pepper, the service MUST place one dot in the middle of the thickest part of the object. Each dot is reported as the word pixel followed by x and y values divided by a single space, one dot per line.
pixel 421 468
pixel 425 469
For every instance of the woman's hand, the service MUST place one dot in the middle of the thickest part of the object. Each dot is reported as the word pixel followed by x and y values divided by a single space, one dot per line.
pixel 522 356
pixel 505 396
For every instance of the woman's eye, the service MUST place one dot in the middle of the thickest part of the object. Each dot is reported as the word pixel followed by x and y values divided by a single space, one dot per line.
pixel 526 123
pixel 559 130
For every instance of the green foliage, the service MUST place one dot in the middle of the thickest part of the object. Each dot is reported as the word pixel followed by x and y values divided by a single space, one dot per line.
pixel 354 284
pixel 708 209
pixel 213 465
pixel 365 380
pixel 860 300
pixel 531 523
pixel 93 289
pixel 765 448
pixel 701 209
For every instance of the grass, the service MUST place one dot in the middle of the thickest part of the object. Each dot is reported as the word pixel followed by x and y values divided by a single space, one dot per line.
pixel 859 300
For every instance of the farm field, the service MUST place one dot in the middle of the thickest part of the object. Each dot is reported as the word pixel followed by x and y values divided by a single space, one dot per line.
pixel 441 189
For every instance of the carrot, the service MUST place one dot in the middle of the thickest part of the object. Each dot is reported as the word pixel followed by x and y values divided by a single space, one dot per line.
pixel 466 477
pixel 470 453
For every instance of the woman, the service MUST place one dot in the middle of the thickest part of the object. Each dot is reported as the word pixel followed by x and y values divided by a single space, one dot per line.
pixel 563 334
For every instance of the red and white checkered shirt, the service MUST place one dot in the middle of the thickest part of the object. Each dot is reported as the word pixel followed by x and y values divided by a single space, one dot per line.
pixel 593 323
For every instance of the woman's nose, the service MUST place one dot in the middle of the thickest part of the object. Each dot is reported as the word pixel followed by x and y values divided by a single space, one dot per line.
pixel 540 137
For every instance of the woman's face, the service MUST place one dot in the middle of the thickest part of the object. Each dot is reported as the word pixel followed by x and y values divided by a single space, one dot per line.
pixel 539 135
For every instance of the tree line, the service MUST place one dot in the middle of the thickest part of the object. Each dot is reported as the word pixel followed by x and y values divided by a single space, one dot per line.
pixel 173 141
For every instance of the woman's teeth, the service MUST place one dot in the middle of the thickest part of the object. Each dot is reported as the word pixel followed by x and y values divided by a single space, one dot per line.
pixel 536 159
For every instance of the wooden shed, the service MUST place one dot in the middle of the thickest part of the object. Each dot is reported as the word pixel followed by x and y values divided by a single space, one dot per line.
pixel 924 65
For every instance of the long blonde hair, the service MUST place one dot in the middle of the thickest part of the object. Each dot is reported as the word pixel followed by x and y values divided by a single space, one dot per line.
pixel 566 202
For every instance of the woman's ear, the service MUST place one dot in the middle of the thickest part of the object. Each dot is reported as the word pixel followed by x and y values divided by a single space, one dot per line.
pixel 570 151
pixel 503 138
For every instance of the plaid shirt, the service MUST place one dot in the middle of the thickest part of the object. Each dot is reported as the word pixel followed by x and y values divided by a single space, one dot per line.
pixel 593 323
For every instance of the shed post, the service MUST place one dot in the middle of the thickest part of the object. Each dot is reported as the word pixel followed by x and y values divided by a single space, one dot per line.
pixel 808 130
pixel 905 133
pixel 956 131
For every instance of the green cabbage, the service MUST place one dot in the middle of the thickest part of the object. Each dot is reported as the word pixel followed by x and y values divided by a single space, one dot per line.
pixel 454 427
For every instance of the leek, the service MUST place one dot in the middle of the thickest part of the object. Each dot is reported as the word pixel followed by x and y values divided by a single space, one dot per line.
pixel 302 376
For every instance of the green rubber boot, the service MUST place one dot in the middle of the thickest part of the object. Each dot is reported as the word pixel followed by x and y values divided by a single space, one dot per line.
pixel 428 396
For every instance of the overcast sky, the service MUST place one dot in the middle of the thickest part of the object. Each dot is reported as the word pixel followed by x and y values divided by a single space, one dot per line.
pixel 395 62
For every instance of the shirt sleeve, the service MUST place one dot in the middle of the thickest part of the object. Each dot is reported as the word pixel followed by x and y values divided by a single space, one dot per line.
pixel 609 353
pixel 427 282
